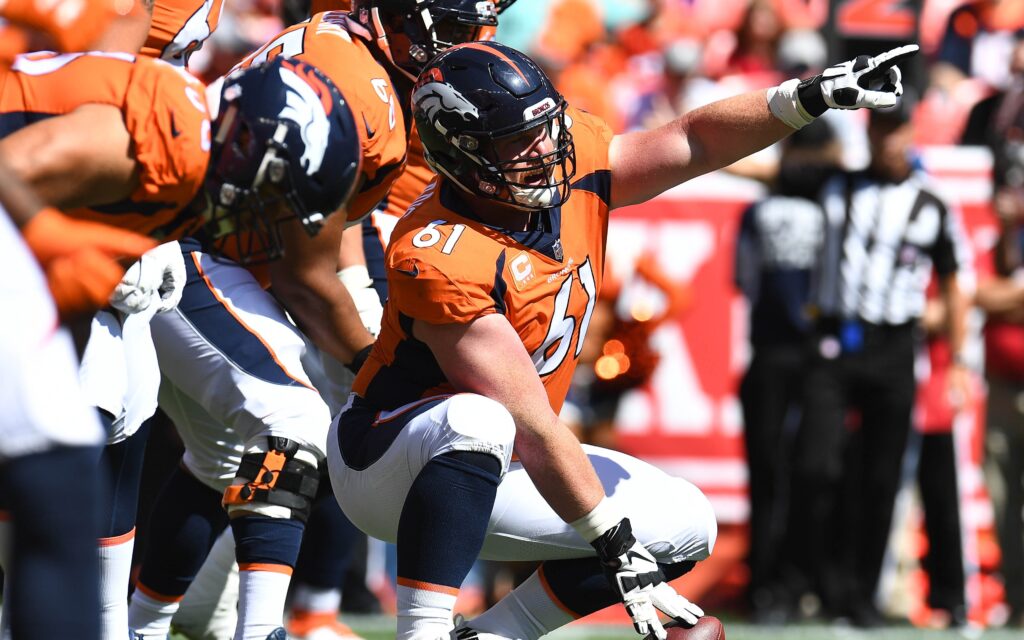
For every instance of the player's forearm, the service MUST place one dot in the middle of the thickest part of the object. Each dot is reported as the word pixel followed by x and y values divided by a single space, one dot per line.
pixel 560 470
pixel 83 158
pixel 351 250
pixel 20 202
pixel 647 163
pixel 326 314
pixel 723 132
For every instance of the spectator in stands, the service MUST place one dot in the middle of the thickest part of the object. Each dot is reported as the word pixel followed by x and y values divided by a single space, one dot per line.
pixel 756 41
pixel 779 240
pixel 675 94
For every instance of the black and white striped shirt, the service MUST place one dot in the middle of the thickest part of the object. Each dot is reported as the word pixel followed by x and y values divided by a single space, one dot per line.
pixel 882 240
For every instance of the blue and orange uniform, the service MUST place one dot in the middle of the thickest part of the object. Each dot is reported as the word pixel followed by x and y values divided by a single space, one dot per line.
pixel 446 266
pixel 338 46
pixel 164 111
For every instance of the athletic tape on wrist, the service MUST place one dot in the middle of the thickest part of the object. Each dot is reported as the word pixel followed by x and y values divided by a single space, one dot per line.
pixel 602 518
pixel 785 104
pixel 355 277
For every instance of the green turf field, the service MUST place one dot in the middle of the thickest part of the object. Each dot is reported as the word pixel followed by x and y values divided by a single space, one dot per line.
pixel 380 628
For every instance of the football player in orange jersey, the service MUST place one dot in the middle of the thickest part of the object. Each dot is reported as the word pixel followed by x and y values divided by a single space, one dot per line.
pixel 284 156
pixel 348 52
pixel 492 275
pixel 47 448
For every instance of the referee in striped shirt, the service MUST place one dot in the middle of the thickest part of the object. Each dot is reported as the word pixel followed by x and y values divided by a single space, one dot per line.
pixel 886 230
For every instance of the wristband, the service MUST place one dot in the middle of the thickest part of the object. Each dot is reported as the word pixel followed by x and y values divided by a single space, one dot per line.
pixel 355 277
pixel 359 359
pixel 784 103
pixel 600 519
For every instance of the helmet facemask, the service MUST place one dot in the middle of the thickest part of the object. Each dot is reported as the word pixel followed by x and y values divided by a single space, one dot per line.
pixel 530 183
pixel 412 39
pixel 245 207
pixel 540 182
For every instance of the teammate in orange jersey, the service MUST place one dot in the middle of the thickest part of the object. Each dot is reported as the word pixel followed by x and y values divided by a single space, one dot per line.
pixel 504 254
pixel 284 157
pixel 348 52
pixel 47 451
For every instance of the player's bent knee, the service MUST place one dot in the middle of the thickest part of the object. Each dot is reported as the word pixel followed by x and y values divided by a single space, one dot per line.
pixel 704 521
pixel 277 478
pixel 689 532
pixel 482 425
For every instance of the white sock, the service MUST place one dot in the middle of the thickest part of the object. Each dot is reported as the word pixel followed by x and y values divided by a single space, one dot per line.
pixel 210 606
pixel 314 599
pixel 527 613
pixel 424 611
pixel 149 615
pixel 261 593
pixel 115 555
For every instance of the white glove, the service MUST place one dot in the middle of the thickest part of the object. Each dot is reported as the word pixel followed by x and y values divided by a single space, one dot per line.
pixel 634 573
pixel 157 278
pixel 357 280
pixel 865 82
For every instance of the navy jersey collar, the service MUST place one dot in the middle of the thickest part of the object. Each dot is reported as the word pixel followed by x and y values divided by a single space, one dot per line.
pixel 546 239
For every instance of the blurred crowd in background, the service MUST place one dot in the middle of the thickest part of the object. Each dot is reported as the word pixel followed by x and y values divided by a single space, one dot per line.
pixel 641 63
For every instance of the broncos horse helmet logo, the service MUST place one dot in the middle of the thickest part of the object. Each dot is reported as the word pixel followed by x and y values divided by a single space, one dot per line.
pixel 437 97
pixel 304 107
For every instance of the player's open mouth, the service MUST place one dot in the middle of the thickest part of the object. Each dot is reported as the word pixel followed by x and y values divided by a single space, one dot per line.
pixel 535 178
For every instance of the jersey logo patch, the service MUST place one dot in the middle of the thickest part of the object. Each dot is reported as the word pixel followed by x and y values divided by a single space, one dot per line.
pixel 521 268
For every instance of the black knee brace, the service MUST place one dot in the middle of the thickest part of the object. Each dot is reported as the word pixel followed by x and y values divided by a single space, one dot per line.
pixel 276 478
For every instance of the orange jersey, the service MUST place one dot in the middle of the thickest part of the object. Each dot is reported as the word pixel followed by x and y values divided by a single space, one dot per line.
pixel 72 26
pixel 445 266
pixel 164 111
pixel 414 178
pixel 179 27
pixel 326 42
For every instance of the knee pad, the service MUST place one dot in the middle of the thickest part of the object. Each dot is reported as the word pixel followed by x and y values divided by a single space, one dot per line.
pixel 276 478
pixel 481 425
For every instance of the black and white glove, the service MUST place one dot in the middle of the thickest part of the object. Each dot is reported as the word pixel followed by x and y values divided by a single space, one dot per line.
pixel 866 82
pixel 634 573
pixel 157 278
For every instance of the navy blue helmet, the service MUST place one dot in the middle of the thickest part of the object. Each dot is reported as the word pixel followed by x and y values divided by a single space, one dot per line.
pixel 473 97
pixel 285 146
pixel 411 32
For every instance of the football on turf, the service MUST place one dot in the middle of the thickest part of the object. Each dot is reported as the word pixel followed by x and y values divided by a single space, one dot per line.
pixel 707 628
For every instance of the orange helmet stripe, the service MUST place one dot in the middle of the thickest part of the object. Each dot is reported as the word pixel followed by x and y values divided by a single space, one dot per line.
pixel 483 46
